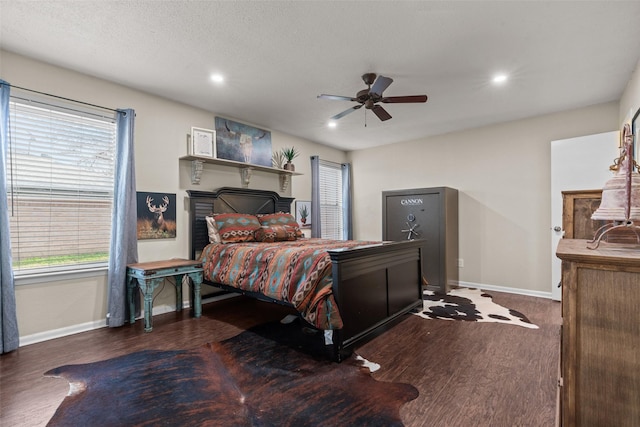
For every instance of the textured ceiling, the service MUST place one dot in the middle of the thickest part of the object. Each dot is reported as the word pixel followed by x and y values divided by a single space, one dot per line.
pixel 277 56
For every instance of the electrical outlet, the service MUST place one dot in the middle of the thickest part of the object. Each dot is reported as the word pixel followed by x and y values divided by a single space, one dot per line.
pixel 460 263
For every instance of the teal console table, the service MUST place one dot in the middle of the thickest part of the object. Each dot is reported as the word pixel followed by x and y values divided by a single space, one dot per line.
pixel 149 275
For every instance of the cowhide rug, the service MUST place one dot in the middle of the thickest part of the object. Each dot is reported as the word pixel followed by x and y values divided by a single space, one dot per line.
pixel 258 378
pixel 470 304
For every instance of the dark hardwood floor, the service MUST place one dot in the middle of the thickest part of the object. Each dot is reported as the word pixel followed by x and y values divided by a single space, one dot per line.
pixel 468 373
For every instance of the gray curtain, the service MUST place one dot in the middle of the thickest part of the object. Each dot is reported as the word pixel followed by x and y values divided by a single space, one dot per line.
pixel 347 230
pixel 124 243
pixel 9 336
pixel 316 227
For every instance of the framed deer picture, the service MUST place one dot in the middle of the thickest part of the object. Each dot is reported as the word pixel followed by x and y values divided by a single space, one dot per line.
pixel 156 215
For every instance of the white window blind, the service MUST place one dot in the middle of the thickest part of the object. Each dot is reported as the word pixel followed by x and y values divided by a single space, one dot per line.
pixel 60 176
pixel 331 202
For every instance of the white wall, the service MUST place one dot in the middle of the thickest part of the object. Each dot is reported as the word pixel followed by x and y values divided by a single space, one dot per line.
pixel 502 173
pixel 161 129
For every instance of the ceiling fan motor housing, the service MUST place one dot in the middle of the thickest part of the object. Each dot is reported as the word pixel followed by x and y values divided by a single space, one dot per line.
pixel 367 98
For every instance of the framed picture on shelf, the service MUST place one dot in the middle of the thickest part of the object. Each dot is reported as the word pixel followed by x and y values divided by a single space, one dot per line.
pixel 303 213
pixel 202 142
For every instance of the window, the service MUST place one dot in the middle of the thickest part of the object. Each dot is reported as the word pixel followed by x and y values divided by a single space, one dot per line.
pixel 331 200
pixel 60 174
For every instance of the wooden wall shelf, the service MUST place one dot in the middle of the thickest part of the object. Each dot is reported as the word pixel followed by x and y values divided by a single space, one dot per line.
pixel 246 170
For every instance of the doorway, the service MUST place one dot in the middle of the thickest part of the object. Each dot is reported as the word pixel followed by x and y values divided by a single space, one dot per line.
pixel 580 163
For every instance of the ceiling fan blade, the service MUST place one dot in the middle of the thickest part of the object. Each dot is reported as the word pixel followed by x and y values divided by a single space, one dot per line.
pixel 381 112
pixel 401 99
pixel 345 112
pixel 337 97
pixel 380 85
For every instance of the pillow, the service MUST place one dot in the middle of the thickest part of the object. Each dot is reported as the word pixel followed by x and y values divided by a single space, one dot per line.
pixel 281 218
pixel 236 227
pixel 212 230
pixel 275 233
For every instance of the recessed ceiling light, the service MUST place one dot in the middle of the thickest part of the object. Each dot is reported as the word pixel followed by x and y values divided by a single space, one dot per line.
pixel 332 124
pixel 499 78
pixel 217 78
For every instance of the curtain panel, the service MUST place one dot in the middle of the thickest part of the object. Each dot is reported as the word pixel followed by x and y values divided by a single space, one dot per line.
pixel 9 336
pixel 316 226
pixel 347 229
pixel 124 243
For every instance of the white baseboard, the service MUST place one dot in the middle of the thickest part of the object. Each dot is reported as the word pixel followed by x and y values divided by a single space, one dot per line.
pixel 61 332
pixel 97 324
pixel 220 297
pixel 165 308
pixel 505 289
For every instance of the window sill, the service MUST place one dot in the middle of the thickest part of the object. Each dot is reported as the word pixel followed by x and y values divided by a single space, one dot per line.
pixel 59 276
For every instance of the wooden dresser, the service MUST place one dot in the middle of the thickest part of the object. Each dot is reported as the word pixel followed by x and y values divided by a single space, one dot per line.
pixel 600 344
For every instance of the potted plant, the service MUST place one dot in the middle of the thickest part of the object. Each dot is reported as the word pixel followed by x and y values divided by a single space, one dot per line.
pixel 290 154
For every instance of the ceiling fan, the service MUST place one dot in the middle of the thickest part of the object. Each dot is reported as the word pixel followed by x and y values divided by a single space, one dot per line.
pixel 370 97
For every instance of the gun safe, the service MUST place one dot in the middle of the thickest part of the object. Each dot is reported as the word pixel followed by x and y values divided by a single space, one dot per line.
pixel 430 214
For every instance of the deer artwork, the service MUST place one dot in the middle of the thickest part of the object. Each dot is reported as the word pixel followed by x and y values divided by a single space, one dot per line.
pixel 158 218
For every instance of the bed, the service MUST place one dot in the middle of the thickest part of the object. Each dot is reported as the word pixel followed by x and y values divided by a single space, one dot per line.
pixel 368 287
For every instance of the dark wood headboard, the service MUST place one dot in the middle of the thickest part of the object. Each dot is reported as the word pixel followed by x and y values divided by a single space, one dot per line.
pixel 225 200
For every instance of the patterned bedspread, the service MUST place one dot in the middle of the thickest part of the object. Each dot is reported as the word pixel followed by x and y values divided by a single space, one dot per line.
pixel 297 272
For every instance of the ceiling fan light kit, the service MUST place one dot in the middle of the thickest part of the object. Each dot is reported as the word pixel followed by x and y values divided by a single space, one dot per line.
pixel 370 97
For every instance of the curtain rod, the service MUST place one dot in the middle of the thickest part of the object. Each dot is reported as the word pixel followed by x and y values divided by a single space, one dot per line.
pixel 63 98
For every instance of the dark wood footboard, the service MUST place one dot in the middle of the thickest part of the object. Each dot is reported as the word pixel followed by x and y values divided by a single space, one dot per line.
pixel 373 287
